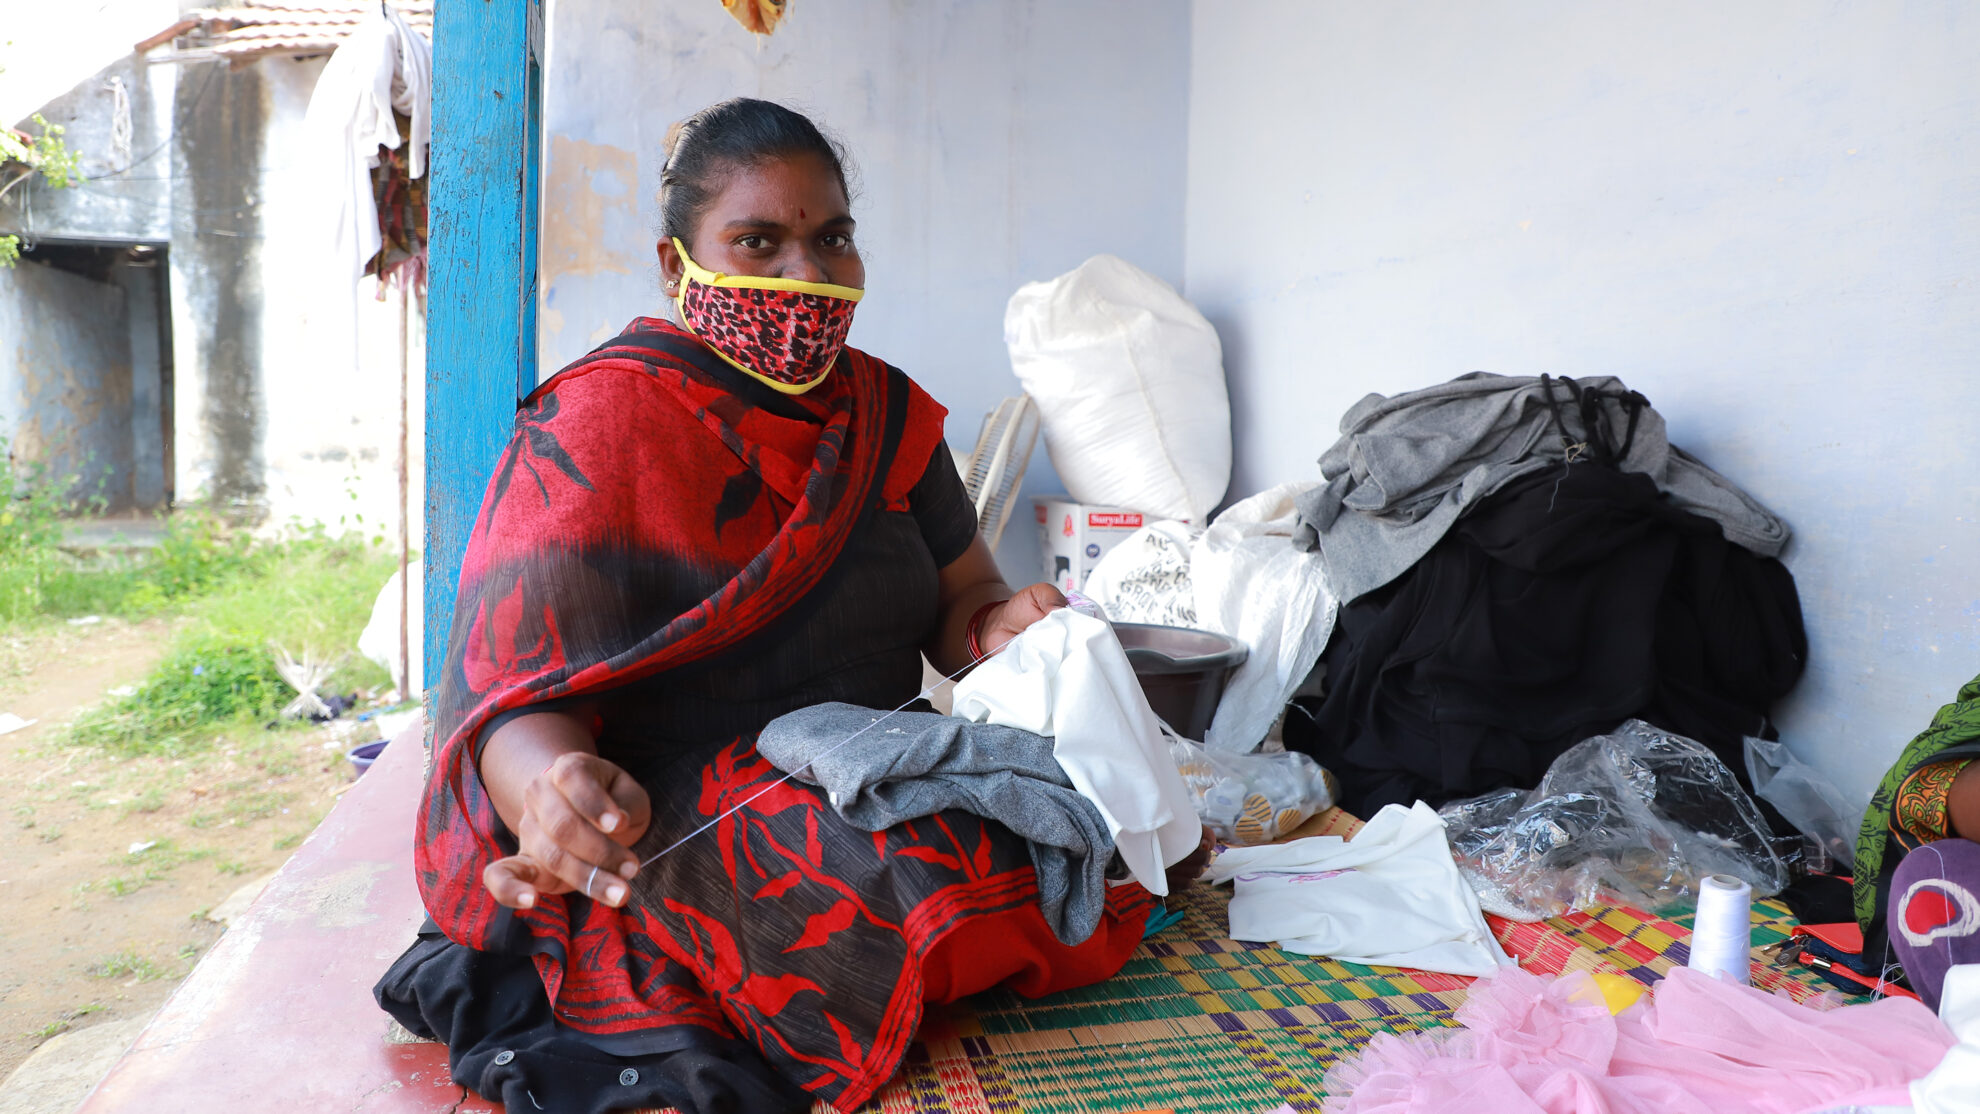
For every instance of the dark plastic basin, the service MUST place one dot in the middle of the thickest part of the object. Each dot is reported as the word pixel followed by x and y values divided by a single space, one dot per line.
pixel 362 757
pixel 1182 671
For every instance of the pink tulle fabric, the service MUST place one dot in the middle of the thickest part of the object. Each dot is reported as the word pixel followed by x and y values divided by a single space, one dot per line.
pixel 1533 1044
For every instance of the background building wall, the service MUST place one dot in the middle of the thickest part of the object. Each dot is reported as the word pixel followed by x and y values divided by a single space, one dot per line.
pixel 997 143
pixel 1759 216
pixel 105 422
pixel 65 380
pixel 285 390
pixel 126 194
pixel 329 354
pixel 217 278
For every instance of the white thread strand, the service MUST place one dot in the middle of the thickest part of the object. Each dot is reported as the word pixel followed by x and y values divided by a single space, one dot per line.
pixel 1722 933
pixel 747 801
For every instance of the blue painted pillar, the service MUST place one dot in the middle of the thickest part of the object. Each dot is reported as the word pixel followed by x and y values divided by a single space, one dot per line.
pixel 481 307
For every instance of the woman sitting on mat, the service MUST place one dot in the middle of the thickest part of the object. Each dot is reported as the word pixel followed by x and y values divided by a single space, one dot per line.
pixel 696 529
pixel 1918 855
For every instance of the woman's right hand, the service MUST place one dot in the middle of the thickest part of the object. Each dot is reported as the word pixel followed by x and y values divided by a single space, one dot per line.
pixel 579 817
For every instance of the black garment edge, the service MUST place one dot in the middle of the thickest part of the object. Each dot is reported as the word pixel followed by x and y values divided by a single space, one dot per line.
pixel 1695 606
pixel 941 508
pixel 504 1043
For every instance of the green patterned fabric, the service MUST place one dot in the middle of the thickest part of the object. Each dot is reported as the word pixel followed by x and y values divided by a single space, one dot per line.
pixel 1956 725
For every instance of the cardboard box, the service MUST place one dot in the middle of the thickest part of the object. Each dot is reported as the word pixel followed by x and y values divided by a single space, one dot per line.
pixel 1072 537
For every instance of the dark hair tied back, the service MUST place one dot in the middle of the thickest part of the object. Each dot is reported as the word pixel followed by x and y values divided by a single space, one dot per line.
pixel 704 148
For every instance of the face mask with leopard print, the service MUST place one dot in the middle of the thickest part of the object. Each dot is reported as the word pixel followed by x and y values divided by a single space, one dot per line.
pixel 781 332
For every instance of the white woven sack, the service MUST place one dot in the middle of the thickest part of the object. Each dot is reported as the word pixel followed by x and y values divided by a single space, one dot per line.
pixel 1129 381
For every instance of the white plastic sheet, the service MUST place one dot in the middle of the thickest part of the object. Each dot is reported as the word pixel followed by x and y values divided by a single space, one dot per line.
pixel 1146 577
pixel 1806 799
pixel 1244 580
pixel 379 641
pixel 1252 585
pixel 1129 381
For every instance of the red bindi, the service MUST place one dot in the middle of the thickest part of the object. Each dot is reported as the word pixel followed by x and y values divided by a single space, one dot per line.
pixel 800 214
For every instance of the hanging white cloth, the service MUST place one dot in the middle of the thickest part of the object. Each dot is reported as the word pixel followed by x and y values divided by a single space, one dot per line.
pixel 1389 897
pixel 1251 584
pixel 383 65
pixel 1066 676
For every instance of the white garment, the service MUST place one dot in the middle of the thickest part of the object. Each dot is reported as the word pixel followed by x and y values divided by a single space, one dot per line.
pixel 383 65
pixel 1390 897
pixel 1252 585
pixel 1954 1086
pixel 1245 580
pixel 1066 676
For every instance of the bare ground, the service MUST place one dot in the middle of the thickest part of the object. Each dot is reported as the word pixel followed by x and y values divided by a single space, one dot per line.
pixel 95 925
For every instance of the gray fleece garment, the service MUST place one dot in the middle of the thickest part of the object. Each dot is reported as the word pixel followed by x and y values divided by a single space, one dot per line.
pixel 1406 467
pixel 919 763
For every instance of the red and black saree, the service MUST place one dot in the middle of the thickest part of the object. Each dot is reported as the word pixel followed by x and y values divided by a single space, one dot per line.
pixel 696 559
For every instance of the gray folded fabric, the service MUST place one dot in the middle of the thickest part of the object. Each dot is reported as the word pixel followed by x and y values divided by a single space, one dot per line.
pixel 919 763
pixel 1406 467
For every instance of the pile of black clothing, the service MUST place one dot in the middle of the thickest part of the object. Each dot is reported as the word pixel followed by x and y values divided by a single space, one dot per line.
pixel 1578 582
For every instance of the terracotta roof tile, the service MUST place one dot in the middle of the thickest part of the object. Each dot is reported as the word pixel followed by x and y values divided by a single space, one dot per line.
pixel 254 28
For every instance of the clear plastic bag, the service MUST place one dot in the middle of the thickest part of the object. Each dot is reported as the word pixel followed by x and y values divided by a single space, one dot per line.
pixel 1636 817
pixel 1252 798
pixel 1806 799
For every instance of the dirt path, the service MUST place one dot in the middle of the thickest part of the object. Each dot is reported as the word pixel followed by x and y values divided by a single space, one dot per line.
pixel 108 864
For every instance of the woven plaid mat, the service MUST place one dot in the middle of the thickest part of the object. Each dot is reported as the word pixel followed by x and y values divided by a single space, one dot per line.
pixel 1199 1022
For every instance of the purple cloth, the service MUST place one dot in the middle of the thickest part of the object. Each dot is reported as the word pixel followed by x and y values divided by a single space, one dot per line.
pixel 1935 913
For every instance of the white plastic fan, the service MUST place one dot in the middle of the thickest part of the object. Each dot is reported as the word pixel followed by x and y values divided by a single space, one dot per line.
pixel 994 470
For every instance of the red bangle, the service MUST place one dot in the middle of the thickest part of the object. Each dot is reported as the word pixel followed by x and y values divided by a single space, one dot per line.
pixel 975 628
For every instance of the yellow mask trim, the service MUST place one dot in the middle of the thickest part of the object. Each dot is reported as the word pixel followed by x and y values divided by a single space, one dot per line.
pixel 695 272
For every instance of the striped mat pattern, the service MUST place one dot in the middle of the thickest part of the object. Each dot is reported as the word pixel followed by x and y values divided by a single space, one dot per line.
pixel 1199 1022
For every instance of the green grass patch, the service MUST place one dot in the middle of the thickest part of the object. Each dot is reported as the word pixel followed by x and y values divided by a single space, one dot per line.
pixel 257 805
pixel 64 1023
pixel 309 595
pixel 198 553
pixel 209 677
pixel 241 597
pixel 164 854
pixel 126 964
pixel 147 801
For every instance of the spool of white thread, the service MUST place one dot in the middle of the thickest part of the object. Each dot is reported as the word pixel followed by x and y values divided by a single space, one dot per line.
pixel 1721 934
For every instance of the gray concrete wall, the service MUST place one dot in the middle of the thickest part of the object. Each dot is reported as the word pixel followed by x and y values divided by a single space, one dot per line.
pixel 65 381
pixel 126 194
pixel 1760 215
pixel 216 275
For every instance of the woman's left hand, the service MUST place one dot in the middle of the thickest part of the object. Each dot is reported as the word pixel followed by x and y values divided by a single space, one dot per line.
pixel 1009 620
